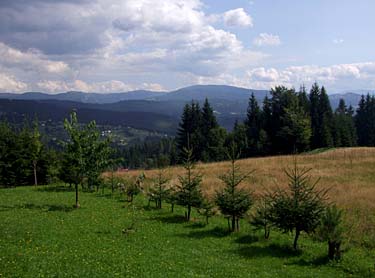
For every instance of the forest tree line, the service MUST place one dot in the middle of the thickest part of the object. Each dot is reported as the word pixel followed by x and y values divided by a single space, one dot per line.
pixel 288 121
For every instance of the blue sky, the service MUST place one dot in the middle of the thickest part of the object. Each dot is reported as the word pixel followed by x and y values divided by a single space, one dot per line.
pixel 120 45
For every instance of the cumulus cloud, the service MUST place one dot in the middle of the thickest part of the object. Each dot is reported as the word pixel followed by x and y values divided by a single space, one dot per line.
pixel 267 39
pixel 336 76
pixel 237 17
pixel 57 86
pixel 31 60
pixel 52 44
pixel 9 83
pixel 111 46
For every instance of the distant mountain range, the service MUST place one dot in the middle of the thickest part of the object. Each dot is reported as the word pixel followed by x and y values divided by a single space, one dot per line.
pixel 197 92
pixel 85 97
pixel 149 110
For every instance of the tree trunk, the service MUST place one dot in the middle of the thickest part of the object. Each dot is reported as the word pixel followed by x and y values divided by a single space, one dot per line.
pixel 331 250
pixel 296 239
pixel 266 232
pixel 172 207
pixel 112 181
pixel 77 203
pixel 334 252
pixel 233 224
pixel 35 176
pixel 188 213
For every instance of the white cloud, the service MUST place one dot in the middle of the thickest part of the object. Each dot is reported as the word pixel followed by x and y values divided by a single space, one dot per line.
pixel 52 86
pixel 338 41
pixel 237 17
pixel 170 16
pixel 131 41
pixel 336 77
pixel 9 83
pixel 31 60
pixel 267 39
pixel 57 86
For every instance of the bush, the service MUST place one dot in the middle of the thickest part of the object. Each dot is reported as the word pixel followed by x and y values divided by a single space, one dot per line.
pixel 331 230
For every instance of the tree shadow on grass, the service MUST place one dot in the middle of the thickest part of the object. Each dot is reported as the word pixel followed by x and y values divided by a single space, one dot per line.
pixel 196 225
pixel 172 219
pixel 215 232
pixel 319 261
pixel 6 208
pixel 246 239
pixel 56 188
pixel 46 207
pixel 106 195
pixel 150 208
pixel 272 250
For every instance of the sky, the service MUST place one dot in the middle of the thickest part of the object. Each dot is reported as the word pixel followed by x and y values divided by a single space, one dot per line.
pixel 108 46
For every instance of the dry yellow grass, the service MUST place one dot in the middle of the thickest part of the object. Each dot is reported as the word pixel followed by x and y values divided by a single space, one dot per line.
pixel 348 172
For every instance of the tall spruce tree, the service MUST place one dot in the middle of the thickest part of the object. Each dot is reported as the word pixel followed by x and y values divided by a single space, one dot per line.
pixel 314 115
pixel 239 137
pixel 344 128
pixel 184 130
pixel 365 121
pixel 190 130
pixel 254 128
pixel 208 118
pixel 325 120
pixel 303 99
pixel 212 135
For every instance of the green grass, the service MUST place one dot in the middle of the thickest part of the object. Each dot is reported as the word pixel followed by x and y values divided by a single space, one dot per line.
pixel 41 235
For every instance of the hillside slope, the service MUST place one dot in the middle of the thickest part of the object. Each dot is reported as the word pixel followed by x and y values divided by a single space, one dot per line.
pixel 347 172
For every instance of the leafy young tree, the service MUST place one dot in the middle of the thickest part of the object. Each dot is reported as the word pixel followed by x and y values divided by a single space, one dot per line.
pixel 35 150
pixel 188 193
pixel 86 155
pixel 299 208
pixel 74 154
pixel 232 201
pixel 96 154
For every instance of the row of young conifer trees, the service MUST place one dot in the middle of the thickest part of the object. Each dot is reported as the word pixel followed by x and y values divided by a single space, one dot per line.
pixel 301 207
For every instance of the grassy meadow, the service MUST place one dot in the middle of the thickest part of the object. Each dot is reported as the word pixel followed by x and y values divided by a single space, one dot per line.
pixel 41 235
pixel 349 173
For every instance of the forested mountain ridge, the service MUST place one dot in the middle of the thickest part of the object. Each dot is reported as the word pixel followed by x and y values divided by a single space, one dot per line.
pixel 196 92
